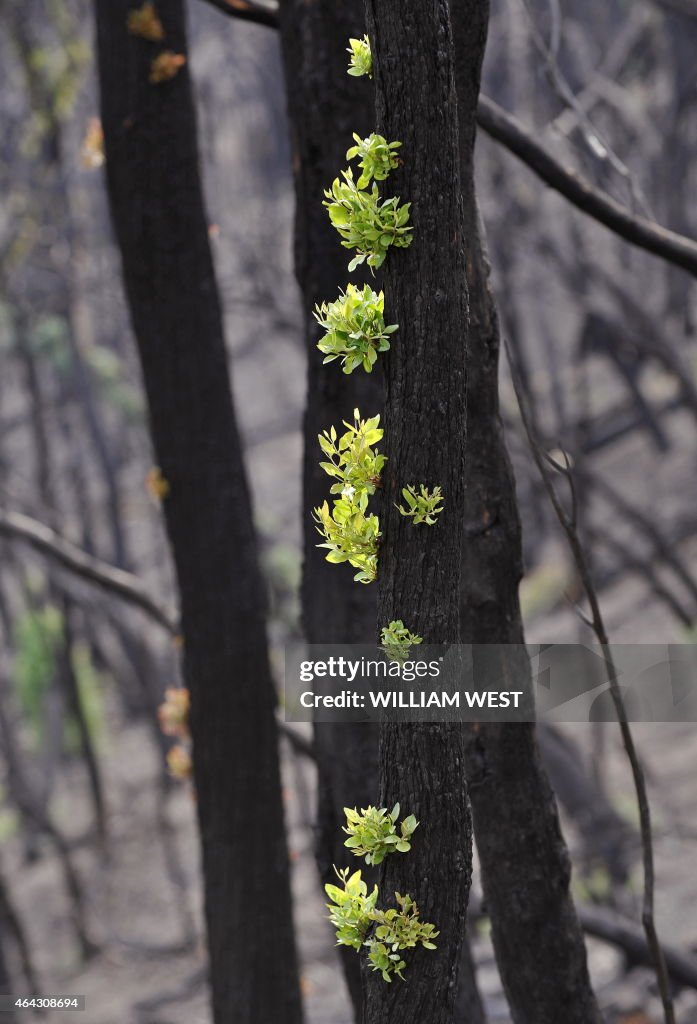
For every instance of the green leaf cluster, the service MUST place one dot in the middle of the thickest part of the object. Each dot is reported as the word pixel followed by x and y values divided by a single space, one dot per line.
pixel 351 908
pixel 397 930
pixel 365 222
pixel 350 535
pixel 355 328
pixel 397 641
pixel 353 912
pixel 361 62
pixel 352 459
pixel 423 506
pixel 373 832
pixel 376 157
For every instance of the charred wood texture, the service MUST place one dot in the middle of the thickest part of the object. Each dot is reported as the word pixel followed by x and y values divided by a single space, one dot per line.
pixel 422 766
pixel 524 860
pixel 158 213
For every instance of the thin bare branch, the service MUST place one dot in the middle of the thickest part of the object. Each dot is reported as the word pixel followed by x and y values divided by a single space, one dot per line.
pixel 107 577
pixel 117 582
pixel 299 743
pixel 619 931
pixel 11 917
pixel 598 626
pixel 643 233
pixel 686 8
pixel 245 10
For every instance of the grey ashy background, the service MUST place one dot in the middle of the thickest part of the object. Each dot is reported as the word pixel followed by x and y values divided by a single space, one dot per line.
pixel 605 335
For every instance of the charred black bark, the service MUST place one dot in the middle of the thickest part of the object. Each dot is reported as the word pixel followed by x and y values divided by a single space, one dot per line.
pixel 325 107
pixel 158 213
pixel 422 766
pixel 525 864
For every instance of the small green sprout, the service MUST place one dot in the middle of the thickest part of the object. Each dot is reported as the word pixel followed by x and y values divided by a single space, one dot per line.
pixel 423 507
pixel 376 158
pixel 373 832
pixel 350 535
pixel 397 641
pixel 355 326
pixel 353 460
pixel 367 223
pixel 361 62
pixel 351 908
pixel 397 930
pixel 384 959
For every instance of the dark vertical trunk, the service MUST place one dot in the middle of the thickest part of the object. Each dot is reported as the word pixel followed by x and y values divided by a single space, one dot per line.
pixel 525 865
pixel 325 107
pixel 421 766
pixel 158 213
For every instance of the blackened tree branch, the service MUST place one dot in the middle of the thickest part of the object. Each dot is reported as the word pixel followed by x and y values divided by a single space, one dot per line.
pixel 639 231
pixel 686 8
pixel 9 913
pixel 612 927
pixel 117 582
pixel 597 624
pixel 69 556
pixel 247 11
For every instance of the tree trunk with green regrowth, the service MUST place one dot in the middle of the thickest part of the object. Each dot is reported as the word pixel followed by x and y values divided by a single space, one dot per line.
pixel 524 860
pixel 422 766
pixel 325 107
pixel 158 213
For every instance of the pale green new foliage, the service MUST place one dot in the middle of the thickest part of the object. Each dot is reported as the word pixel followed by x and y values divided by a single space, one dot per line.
pixel 423 506
pixel 397 930
pixel 376 157
pixel 367 223
pixel 355 326
pixel 350 535
pixel 351 908
pixel 353 460
pixel 373 832
pixel 353 911
pixel 361 62
pixel 397 641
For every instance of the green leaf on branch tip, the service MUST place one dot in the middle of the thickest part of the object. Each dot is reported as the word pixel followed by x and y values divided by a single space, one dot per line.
pixel 361 62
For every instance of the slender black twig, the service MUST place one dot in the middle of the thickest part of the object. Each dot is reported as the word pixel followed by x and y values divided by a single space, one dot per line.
pixel 597 624
pixel 245 10
pixel 107 577
pixel 124 585
pixel 16 930
pixel 639 231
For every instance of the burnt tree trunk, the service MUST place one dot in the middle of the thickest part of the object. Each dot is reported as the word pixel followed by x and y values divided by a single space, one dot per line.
pixel 158 213
pixel 325 107
pixel 525 864
pixel 422 766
